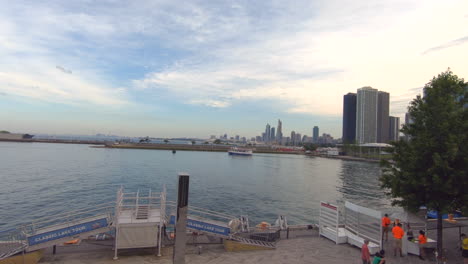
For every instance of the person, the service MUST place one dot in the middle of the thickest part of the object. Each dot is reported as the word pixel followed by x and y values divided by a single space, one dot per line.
pixel 464 241
pixel 385 226
pixel 398 234
pixel 422 240
pixel 379 257
pixel 365 254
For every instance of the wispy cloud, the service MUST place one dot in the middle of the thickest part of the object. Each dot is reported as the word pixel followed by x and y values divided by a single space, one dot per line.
pixel 300 57
pixel 449 44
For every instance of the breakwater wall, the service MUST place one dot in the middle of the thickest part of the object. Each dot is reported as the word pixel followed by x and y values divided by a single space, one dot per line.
pixel 204 147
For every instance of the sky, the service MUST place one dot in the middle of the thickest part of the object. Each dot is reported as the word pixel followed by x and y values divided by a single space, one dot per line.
pixel 199 68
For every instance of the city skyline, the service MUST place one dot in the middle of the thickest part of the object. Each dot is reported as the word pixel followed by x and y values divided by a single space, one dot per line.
pixel 200 68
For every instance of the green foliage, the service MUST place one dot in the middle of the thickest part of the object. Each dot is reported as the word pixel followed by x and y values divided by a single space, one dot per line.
pixel 310 147
pixel 431 167
pixel 4 132
pixel 217 141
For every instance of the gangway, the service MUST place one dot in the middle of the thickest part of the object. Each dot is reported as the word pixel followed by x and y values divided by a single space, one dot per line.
pixel 56 229
pixel 219 225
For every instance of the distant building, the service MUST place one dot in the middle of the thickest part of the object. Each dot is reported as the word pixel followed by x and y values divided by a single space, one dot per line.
pixel 383 111
pixel 349 118
pixel 293 138
pixel 258 139
pixel 394 128
pixel 315 134
pixel 366 115
pixel 298 139
pixel 263 137
pixel 279 132
pixel 272 134
pixel 267 133
pixel 237 137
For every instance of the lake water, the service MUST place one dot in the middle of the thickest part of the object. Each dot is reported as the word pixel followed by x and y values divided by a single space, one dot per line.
pixel 38 179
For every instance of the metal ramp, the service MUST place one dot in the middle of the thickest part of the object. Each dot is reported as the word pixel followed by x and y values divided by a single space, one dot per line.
pixel 56 229
pixel 11 243
pixel 217 225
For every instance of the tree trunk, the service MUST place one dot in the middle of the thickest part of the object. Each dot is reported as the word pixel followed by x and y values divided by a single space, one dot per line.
pixel 439 234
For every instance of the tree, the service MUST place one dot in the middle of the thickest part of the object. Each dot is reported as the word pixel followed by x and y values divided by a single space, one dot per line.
pixel 217 141
pixel 193 142
pixel 430 169
pixel 166 141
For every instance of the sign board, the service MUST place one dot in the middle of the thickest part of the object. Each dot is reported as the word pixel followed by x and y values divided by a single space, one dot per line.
pixel 204 226
pixel 67 231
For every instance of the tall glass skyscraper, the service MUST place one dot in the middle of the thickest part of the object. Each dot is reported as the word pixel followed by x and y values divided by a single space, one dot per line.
pixel 349 118
pixel 315 133
pixel 279 132
pixel 383 122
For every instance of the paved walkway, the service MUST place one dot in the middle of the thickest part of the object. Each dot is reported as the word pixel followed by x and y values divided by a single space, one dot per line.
pixel 301 249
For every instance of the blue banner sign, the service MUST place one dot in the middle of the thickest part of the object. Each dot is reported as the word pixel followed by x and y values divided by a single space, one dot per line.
pixel 67 231
pixel 204 226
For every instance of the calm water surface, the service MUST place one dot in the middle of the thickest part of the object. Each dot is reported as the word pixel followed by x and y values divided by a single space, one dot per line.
pixel 38 179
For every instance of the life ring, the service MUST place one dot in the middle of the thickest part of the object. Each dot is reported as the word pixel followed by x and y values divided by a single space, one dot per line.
pixel 263 225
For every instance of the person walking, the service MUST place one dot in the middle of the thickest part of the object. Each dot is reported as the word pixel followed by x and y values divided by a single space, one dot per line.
pixel 464 242
pixel 365 254
pixel 422 240
pixel 398 234
pixel 385 226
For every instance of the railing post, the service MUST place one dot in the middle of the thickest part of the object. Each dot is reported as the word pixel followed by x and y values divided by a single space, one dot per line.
pixel 181 219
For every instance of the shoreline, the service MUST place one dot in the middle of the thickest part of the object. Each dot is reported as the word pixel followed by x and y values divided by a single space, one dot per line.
pixel 181 147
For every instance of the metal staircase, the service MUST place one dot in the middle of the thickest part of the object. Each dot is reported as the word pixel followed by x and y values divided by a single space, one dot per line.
pixel 253 242
pixel 142 212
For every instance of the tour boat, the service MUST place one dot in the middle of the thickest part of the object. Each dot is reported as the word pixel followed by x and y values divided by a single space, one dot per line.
pixel 240 151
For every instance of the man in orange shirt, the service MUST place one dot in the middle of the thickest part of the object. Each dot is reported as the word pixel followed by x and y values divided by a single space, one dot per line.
pixel 385 226
pixel 398 234
pixel 422 240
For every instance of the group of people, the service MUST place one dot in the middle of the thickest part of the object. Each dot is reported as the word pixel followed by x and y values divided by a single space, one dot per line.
pixel 398 234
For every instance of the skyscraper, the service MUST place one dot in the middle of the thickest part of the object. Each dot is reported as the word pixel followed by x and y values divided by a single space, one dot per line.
pixel 279 132
pixel 349 118
pixel 272 134
pixel 267 133
pixel 366 115
pixel 315 134
pixel 394 128
pixel 383 109
pixel 293 138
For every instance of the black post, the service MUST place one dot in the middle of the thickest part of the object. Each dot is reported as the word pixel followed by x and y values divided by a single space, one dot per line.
pixel 54 249
pixel 181 219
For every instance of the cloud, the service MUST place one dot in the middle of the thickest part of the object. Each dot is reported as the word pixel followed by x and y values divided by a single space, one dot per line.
pixel 449 44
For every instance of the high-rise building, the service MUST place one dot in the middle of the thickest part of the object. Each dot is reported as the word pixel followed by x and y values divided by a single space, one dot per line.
pixel 293 138
pixel 366 115
pixel 383 111
pixel 394 128
pixel 315 134
pixel 298 139
pixel 272 134
pixel 279 132
pixel 349 118
pixel 267 133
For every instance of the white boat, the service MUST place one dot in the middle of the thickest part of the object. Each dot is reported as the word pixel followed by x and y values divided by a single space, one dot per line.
pixel 240 151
